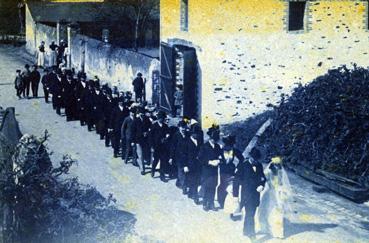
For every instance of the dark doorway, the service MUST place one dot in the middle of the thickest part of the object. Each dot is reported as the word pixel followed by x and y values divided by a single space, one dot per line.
pixel 180 83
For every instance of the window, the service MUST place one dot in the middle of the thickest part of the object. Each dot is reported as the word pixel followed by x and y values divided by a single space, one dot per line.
pixel 296 13
pixel 184 15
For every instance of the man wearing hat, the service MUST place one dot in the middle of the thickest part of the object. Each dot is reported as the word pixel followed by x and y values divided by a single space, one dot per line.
pixel 210 155
pixel 250 176
pixel 81 91
pixel 194 165
pixel 26 76
pixel 35 77
pixel 232 157
pixel 159 141
pixel 57 92
pixel 138 87
pixel 89 105
pixel 140 130
pixel 69 98
pixel 45 80
pixel 117 117
pixel 179 155
pixel 18 83
pixel 99 119
pixel 127 136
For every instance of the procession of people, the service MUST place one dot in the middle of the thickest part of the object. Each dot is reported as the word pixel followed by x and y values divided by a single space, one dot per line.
pixel 206 170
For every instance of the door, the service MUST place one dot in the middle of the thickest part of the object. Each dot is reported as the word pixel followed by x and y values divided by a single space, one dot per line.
pixel 190 84
pixel 167 78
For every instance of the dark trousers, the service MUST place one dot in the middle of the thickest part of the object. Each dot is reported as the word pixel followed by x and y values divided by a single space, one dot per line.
pixel 46 95
pixel 108 137
pixel 129 150
pixel 115 142
pixel 142 154
pixel 26 88
pixel 209 194
pixel 82 116
pixel 35 89
pixel 249 223
pixel 225 181
pixel 100 128
pixel 69 111
pixel 163 158
pixel 19 92
pixel 181 178
pixel 193 184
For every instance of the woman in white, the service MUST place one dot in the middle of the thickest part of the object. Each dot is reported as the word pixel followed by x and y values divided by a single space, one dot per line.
pixel 41 55
pixel 273 204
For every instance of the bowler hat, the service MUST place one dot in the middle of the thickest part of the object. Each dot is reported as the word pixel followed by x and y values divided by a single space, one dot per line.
pixel 230 140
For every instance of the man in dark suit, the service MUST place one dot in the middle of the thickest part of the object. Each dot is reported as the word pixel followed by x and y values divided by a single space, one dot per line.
pixel 98 111
pixel 194 165
pixel 35 77
pixel 250 176
pixel 57 92
pixel 127 136
pixel 117 117
pixel 210 155
pixel 26 80
pixel 140 130
pixel 232 157
pixel 89 105
pixel 69 98
pixel 138 87
pixel 159 141
pixel 45 80
pixel 179 155
pixel 80 92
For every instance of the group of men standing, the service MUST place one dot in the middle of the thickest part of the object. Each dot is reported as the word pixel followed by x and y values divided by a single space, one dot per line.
pixel 26 80
pixel 146 139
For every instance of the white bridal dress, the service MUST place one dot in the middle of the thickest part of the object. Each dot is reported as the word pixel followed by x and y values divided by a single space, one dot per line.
pixel 274 203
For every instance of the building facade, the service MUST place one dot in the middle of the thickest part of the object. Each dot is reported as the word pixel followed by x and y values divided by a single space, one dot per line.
pixel 242 55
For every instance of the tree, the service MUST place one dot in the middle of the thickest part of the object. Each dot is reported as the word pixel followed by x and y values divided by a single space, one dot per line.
pixel 140 13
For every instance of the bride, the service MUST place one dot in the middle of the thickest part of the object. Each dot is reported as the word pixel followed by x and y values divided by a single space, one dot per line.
pixel 273 204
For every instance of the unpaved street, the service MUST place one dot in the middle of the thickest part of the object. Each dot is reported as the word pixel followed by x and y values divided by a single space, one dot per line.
pixel 163 213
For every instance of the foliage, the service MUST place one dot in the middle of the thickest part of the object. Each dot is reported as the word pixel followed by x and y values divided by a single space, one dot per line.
pixel 48 207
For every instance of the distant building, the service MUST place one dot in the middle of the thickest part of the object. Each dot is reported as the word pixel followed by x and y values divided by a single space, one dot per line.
pixel 100 37
pixel 235 57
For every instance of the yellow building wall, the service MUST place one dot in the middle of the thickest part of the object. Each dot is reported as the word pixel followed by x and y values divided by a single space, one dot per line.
pixel 248 58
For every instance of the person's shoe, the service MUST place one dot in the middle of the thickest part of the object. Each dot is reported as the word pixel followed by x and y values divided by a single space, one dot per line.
pixel 206 208
pixel 115 156
pixel 235 217
pixel 152 173
pixel 212 208
pixel 163 179
pixel 196 201
pixel 142 172
pixel 184 191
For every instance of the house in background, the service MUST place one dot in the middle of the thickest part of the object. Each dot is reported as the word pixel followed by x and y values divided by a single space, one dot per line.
pixel 235 57
pixel 102 38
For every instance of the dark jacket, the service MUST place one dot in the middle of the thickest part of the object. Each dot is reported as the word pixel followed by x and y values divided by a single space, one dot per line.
pixel 45 80
pixel 117 118
pixel 68 92
pixel 98 106
pixel 35 77
pixel 138 85
pixel 249 180
pixel 140 130
pixel 159 136
pixel 18 82
pixel 179 149
pixel 79 94
pixel 209 172
pixel 228 167
pixel 127 128
pixel 193 152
